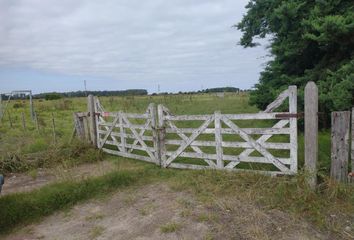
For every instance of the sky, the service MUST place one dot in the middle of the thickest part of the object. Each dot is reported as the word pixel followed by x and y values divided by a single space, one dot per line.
pixel 179 45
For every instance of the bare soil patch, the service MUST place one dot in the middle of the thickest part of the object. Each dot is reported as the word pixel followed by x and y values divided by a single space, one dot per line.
pixel 140 213
pixel 157 212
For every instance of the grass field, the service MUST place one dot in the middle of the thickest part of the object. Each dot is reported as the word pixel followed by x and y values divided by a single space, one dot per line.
pixel 23 150
pixel 23 143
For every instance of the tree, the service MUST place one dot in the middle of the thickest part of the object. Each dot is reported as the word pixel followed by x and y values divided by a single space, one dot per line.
pixel 309 41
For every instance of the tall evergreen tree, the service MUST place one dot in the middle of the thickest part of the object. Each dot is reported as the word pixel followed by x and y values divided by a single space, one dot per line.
pixel 309 41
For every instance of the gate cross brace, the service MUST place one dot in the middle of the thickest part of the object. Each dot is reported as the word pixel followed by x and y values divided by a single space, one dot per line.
pixel 255 144
pixel 185 139
pixel 138 137
pixel 190 140
pixel 262 139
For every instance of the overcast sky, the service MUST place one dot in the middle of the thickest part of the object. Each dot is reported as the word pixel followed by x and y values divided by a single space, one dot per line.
pixel 181 45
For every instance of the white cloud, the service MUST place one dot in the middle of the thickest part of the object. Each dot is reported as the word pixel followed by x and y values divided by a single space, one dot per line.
pixel 167 42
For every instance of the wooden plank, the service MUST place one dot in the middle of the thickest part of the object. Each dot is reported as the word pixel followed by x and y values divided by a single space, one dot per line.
pixel 79 126
pixel 135 126
pixel 218 140
pixel 200 167
pixel 87 129
pixel 293 128
pixel 268 145
pixel 128 115
pixel 257 131
pixel 99 106
pixel 255 145
pixel 246 116
pixel 185 139
pixel 128 155
pixel 126 135
pixel 233 158
pixel 130 146
pixel 141 141
pixel 109 131
pixel 113 134
pixel 142 131
pixel 311 133
pixel 82 114
pixel 153 121
pixel 262 140
pixel 122 131
pixel 277 102
pixel 190 166
pixel 190 139
pixel 340 145
pixel 161 135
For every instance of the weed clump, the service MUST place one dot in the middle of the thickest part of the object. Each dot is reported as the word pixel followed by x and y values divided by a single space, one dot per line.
pixel 42 155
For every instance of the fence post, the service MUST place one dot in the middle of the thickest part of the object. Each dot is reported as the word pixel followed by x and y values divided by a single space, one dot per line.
pixel 311 133
pixel 155 131
pixel 162 136
pixel 79 126
pixel 35 118
pixel 10 119
pixel 339 145
pixel 92 119
pixel 31 106
pixel 53 126
pixel 23 121
pixel 218 140
pixel 293 128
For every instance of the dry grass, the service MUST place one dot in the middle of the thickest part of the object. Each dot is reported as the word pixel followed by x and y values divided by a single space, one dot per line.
pixel 170 227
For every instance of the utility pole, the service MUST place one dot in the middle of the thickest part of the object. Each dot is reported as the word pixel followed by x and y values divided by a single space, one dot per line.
pixel 85 88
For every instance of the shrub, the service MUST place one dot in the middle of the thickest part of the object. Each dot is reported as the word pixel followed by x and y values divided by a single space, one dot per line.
pixel 18 105
pixel 52 96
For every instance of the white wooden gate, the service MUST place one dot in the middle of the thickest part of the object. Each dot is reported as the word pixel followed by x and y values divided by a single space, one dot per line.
pixel 119 134
pixel 162 140
pixel 188 142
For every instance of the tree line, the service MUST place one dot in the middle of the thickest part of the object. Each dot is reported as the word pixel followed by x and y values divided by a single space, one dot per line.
pixel 58 95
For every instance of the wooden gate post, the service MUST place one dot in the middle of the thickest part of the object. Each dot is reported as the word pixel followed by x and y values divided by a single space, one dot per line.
pixel 162 136
pixel 340 145
pixel 311 133
pixel 79 126
pixel 92 119
pixel 293 128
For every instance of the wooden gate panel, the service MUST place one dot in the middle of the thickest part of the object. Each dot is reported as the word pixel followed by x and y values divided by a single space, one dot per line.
pixel 286 125
pixel 115 134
